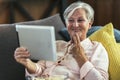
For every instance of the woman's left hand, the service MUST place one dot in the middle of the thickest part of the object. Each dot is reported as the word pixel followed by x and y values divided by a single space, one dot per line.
pixel 78 51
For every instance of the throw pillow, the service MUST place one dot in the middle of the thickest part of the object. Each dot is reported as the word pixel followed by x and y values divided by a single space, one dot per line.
pixel 105 35
pixel 54 20
pixel 95 28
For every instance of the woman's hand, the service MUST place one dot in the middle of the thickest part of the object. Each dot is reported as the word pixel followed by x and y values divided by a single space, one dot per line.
pixel 78 51
pixel 22 55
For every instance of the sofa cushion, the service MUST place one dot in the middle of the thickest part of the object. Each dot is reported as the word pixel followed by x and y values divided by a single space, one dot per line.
pixel 54 20
pixel 9 68
pixel 64 33
pixel 105 35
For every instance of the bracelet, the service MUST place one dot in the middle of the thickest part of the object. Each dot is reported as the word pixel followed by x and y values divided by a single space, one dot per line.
pixel 38 69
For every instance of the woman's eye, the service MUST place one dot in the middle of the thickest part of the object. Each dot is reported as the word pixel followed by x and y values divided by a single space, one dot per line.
pixel 80 20
pixel 70 20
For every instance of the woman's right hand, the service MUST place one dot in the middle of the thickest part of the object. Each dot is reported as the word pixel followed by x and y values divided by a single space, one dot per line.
pixel 22 55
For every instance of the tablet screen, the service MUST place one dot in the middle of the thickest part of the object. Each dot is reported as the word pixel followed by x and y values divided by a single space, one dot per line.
pixel 39 40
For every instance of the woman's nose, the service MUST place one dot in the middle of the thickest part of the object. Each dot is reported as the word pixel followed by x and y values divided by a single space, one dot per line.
pixel 75 24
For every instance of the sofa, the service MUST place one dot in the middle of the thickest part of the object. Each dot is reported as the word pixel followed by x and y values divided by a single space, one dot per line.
pixel 9 69
pixel 9 41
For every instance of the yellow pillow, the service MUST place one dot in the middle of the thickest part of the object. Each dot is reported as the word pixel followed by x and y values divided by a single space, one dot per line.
pixel 105 35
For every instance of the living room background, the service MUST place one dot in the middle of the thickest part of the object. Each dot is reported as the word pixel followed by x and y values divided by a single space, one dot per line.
pixel 12 11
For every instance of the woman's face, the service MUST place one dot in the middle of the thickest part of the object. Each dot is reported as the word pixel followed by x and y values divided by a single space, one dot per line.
pixel 78 23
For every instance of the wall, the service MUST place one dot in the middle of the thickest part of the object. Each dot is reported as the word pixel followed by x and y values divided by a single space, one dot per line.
pixel 105 10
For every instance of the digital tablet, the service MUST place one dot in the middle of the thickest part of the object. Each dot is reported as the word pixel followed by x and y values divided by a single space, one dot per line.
pixel 39 40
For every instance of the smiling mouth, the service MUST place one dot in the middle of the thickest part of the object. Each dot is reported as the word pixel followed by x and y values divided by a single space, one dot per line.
pixel 76 30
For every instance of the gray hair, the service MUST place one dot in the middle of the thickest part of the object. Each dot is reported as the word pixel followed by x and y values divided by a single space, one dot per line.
pixel 89 10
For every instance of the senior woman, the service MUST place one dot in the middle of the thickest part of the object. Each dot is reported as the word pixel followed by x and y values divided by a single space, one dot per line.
pixel 81 58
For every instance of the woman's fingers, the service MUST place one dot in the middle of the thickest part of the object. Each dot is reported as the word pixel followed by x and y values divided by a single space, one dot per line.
pixel 77 48
pixel 21 49
pixel 21 54
pixel 76 39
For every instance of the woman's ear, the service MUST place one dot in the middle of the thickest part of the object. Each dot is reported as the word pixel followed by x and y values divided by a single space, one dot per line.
pixel 90 24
